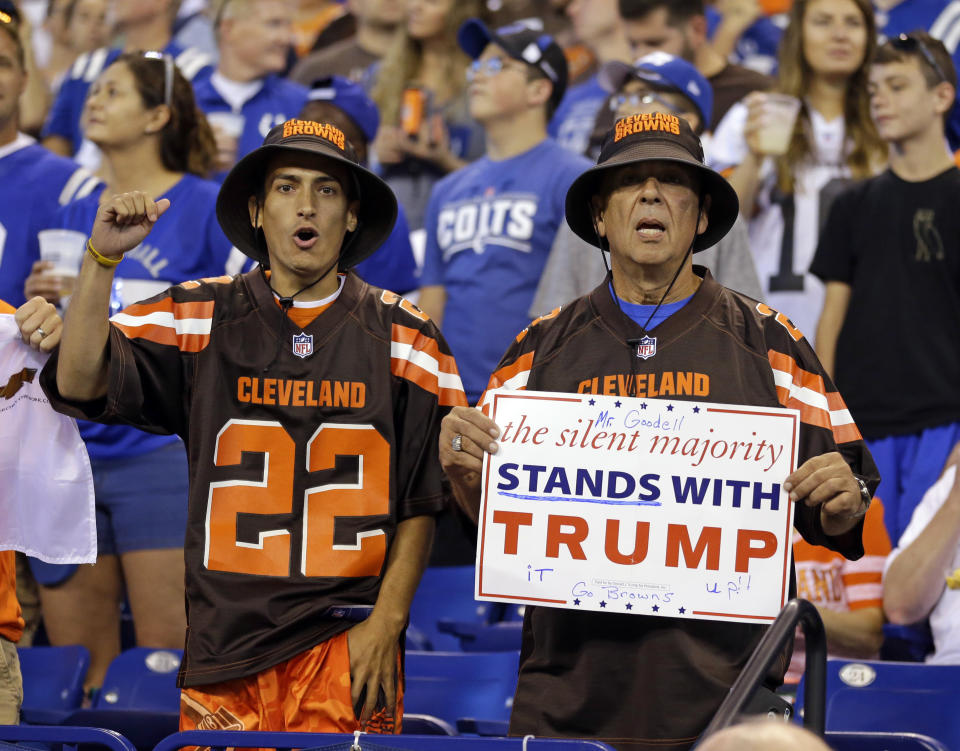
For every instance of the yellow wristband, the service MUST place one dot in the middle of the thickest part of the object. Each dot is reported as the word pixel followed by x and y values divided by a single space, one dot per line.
pixel 100 258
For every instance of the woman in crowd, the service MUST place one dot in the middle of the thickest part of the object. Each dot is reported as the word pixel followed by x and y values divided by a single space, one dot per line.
pixel 420 90
pixel 787 162
pixel 141 113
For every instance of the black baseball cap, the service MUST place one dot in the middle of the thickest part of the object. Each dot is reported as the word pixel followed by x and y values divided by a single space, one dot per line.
pixel 660 137
pixel 378 205
pixel 522 42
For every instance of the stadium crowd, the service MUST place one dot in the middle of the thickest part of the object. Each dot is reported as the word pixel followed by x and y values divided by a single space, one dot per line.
pixel 452 139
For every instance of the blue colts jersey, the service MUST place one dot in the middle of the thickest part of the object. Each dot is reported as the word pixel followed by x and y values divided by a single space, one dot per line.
pixel 34 184
pixel 64 117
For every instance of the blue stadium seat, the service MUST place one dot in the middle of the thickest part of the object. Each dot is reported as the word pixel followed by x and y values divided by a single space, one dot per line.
pixel 142 678
pixel 446 592
pixel 139 698
pixel 454 685
pixel 892 697
pixel 882 742
pixel 217 740
pixel 52 682
pixel 484 637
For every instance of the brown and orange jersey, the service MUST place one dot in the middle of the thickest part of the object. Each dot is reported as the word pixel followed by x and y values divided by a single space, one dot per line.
pixel 625 676
pixel 306 447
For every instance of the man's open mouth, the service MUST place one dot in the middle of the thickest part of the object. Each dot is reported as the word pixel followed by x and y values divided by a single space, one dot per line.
pixel 650 227
pixel 305 237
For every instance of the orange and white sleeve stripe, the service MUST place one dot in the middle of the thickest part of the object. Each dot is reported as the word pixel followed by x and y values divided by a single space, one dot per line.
pixel 6 308
pixel 417 358
pixel 512 376
pixel 805 391
pixel 185 325
pixel 863 579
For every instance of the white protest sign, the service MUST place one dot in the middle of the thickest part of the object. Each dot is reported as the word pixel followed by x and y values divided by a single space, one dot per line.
pixel 643 506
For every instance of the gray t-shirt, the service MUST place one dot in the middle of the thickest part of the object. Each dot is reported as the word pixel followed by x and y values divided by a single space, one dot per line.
pixel 574 268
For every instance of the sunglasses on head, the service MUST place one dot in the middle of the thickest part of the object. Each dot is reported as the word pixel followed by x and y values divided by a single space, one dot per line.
pixel 167 74
pixel 910 43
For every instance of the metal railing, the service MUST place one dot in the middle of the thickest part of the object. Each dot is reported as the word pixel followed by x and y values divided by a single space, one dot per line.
pixel 769 649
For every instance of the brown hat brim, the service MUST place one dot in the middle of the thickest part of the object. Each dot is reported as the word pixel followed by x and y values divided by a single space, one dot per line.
pixel 724 204
pixel 377 214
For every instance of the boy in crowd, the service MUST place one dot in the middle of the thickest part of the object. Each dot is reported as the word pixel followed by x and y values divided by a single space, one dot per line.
pixel 491 225
pixel 889 258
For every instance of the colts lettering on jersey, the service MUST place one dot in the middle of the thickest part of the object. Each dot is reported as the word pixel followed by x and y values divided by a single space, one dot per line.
pixel 149 257
pixel 506 220
pixel 269 120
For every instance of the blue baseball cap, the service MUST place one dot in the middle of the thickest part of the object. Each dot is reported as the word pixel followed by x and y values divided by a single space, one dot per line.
pixel 524 41
pixel 351 98
pixel 666 71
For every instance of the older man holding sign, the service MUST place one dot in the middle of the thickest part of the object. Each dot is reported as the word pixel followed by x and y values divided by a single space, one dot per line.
pixel 642 506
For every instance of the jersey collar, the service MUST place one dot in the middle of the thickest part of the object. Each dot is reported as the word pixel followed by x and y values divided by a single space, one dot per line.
pixel 20 142
pixel 622 327
pixel 324 326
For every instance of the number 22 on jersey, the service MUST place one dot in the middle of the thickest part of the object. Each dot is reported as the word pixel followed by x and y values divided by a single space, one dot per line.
pixel 323 504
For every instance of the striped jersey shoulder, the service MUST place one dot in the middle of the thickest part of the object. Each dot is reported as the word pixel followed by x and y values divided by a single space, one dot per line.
pixel 799 386
pixel 185 325
pixel 182 316
pixel 946 27
pixel 79 185
pixel 89 65
pixel 192 61
pixel 418 352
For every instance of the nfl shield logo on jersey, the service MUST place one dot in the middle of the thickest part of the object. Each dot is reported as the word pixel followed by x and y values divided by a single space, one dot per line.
pixel 303 344
pixel 647 347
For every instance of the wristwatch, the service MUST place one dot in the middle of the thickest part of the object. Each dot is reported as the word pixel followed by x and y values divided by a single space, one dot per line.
pixel 865 496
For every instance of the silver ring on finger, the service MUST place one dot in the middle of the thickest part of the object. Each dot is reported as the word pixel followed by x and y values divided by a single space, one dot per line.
pixel 456 443
pixel 41 332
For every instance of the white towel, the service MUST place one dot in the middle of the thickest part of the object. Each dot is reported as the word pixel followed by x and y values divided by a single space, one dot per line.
pixel 46 487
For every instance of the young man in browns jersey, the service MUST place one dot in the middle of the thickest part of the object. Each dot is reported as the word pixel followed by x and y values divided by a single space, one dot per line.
pixel 650 681
pixel 310 403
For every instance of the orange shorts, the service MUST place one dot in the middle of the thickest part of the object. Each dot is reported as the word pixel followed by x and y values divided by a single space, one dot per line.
pixel 309 693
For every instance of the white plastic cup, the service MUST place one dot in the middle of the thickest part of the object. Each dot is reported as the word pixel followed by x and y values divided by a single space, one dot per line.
pixel 64 248
pixel 227 128
pixel 778 117
pixel 229 123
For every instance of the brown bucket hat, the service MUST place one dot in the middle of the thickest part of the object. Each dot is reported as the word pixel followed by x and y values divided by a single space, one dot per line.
pixel 378 205
pixel 661 137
